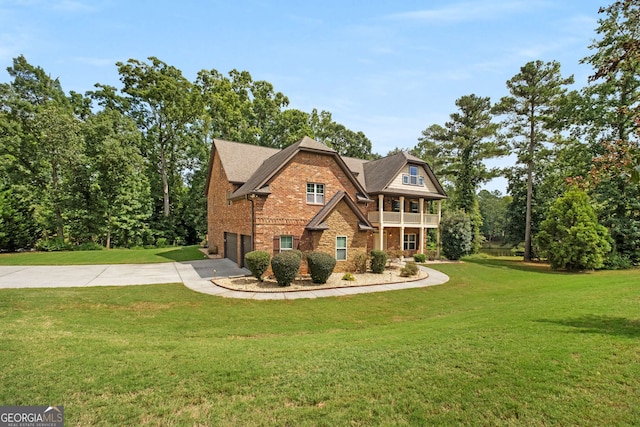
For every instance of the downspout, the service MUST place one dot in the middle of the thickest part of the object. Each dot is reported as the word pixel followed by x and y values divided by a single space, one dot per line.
pixel 251 198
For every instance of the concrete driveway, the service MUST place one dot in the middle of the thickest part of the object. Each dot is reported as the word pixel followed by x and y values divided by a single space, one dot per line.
pixel 195 275
pixel 64 276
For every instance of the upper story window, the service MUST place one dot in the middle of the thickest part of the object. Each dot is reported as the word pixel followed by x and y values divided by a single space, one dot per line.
pixel 315 194
pixel 412 178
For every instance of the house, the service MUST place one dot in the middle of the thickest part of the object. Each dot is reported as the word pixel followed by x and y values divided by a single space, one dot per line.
pixel 308 197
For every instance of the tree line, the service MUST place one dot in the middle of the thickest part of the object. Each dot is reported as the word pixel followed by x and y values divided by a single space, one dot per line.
pixel 126 166
pixel 564 141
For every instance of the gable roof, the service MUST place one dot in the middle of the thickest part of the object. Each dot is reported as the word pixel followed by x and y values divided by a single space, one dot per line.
pixel 239 160
pixel 253 166
pixel 356 166
pixel 380 173
pixel 259 180
pixel 317 222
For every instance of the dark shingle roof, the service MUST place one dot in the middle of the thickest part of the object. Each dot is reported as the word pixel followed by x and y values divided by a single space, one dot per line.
pixel 253 166
pixel 381 172
pixel 239 160
pixel 260 178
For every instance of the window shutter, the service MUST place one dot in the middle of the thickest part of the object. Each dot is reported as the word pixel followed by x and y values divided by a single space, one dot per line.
pixel 296 242
pixel 276 245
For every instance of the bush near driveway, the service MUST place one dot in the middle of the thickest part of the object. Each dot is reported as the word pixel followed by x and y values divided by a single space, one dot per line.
pixel 257 262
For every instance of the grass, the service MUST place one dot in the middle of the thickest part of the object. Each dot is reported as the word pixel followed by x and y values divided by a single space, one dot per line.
pixel 112 256
pixel 503 343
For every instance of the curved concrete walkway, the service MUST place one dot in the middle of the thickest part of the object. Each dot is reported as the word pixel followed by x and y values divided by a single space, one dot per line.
pixel 195 275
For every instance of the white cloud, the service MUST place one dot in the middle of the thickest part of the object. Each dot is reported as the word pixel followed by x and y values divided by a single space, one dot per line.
pixel 467 11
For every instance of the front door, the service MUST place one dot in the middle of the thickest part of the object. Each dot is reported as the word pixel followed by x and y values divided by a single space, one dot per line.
pixel 376 240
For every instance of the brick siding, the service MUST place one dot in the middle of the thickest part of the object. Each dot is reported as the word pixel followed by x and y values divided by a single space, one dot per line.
pixel 285 211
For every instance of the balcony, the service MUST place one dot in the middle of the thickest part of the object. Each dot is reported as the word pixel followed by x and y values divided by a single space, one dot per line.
pixel 397 219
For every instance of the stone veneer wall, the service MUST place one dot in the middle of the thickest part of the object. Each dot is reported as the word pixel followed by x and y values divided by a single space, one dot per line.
pixel 342 222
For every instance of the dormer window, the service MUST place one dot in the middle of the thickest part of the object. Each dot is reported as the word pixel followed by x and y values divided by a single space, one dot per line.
pixel 412 178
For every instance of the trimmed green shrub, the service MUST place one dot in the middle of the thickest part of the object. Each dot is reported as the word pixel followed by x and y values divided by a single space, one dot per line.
pixel 419 257
pixel 410 269
pixel 321 266
pixel 257 262
pixel 378 261
pixel 285 266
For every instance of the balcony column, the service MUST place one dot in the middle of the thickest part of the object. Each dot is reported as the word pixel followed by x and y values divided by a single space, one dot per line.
pixel 422 230
pixel 380 211
pixel 402 223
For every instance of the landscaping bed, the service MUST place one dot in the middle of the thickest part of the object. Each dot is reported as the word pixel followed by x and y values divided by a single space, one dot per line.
pixel 304 283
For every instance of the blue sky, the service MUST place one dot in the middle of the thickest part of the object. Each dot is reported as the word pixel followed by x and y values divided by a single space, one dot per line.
pixel 387 68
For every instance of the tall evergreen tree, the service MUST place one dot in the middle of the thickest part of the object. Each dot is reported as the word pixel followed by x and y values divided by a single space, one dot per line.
pixel 536 95
pixel 466 141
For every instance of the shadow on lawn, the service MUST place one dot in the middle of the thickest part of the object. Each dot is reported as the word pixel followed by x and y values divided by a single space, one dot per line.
pixel 187 253
pixel 618 326
pixel 515 264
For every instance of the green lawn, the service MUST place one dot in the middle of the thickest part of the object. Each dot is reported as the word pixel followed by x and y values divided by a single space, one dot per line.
pixel 112 256
pixel 501 344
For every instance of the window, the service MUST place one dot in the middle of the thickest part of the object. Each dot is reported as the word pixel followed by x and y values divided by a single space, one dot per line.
pixel 286 243
pixel 341 248
pixel 315 194
pixel 413 178
pixel 409 242
pixel 395 205
pixel 414 206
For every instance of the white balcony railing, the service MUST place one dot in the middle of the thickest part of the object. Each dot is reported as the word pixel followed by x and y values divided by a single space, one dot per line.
pixel 410 219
